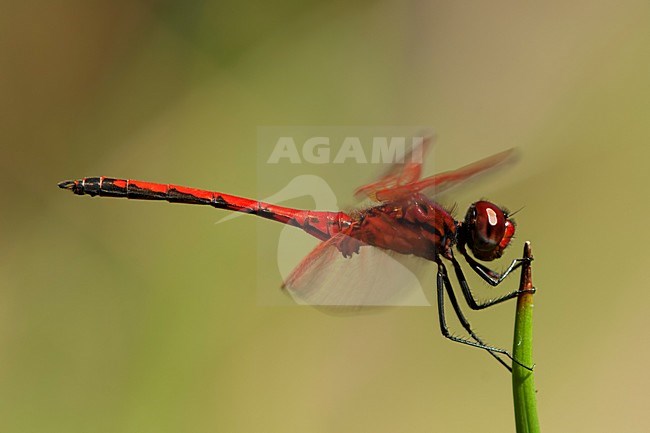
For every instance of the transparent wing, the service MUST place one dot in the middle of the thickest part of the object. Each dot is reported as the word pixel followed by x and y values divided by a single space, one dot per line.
pixel 371 277
pixel 401 172
pixel 441 182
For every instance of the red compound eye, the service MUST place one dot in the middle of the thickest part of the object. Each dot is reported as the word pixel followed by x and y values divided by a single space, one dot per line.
pixel 489 230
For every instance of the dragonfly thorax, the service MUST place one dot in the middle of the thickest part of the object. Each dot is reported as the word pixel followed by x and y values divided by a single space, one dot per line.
pixel 413 225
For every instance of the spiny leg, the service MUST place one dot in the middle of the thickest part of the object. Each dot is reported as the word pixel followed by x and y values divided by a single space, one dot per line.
pixel 491 277
pixel 443 284
pixel 469 296
pixel 461 317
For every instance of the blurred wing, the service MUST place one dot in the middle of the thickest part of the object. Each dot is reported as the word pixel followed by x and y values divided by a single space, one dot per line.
pixel 371 277
pixel 441 182
pixel 402 172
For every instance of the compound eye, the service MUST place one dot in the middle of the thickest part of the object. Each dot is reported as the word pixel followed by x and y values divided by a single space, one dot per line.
pixel 490 224
pixel 489 230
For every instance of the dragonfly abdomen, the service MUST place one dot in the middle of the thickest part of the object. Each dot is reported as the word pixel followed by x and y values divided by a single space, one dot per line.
pixel 322 225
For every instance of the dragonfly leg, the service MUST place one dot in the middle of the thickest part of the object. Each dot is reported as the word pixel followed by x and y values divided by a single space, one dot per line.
pixel 491 277
pixel 444 284
pixel 467 292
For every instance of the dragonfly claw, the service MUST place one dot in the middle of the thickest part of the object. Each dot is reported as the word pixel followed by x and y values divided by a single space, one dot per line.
pixel 531 290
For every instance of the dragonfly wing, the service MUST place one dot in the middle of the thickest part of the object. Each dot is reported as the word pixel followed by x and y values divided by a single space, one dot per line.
pixel 401 172
pixel 442 182
pixel 371 277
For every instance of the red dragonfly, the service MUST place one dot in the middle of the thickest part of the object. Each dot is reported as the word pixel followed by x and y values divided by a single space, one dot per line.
pixel 405 219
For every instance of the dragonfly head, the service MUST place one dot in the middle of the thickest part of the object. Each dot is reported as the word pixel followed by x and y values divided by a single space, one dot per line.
pixel 488 230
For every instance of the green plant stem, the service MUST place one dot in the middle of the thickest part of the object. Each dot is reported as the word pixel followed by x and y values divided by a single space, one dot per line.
pixel 523 380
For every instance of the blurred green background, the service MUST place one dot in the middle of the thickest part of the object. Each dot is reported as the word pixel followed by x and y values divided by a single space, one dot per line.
pixel 120 316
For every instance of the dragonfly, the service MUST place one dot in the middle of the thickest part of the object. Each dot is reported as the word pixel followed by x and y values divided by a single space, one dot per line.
pixel 404 219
